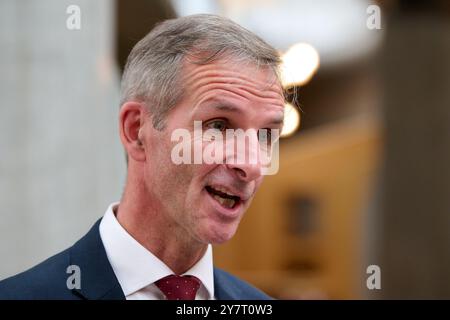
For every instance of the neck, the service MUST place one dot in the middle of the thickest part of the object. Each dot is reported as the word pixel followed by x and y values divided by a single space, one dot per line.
pixel 145 220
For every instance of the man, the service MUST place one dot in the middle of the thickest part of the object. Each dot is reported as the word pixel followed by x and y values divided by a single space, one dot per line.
pixel 156 243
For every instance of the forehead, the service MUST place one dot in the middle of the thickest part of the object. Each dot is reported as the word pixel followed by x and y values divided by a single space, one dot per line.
pixel 238 78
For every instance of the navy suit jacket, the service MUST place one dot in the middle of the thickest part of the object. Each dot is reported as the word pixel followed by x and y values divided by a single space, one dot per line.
pixel 48 280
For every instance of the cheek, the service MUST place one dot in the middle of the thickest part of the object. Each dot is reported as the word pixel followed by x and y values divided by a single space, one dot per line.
pixel 163 176
pixel 195 181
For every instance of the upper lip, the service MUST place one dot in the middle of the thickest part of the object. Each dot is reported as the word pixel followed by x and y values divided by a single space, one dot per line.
pixel 231 191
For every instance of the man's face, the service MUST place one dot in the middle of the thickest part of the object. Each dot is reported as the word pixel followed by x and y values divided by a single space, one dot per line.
pixel 206 202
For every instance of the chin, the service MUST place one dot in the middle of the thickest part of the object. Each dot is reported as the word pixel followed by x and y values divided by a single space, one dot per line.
pixel 218 234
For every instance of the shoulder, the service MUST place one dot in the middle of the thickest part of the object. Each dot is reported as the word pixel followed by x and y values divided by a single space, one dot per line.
pixel 229 287
pixel 46 280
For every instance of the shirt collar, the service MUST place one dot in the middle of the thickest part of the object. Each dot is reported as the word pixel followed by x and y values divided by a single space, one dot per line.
pixel 136 267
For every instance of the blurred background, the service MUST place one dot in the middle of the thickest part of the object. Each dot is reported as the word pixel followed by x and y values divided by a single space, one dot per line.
pixel 364 178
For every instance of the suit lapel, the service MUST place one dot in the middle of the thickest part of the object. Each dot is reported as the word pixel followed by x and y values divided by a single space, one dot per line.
pixel 222 288
pixel 98 280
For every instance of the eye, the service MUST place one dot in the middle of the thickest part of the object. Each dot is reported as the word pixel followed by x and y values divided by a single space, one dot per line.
pixel 217 124
pixel 265 135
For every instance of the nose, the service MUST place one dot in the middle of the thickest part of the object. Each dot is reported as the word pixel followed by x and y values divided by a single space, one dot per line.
pixel 246 172
pixel 243 157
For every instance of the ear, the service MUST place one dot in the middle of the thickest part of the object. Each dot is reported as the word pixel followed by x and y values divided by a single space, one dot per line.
pixel 132 118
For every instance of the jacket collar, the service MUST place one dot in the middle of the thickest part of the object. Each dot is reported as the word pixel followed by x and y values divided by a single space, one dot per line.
pixel 221 290
pixel 98 280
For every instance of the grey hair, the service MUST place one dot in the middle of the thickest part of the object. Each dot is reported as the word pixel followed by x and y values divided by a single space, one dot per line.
pixel 152 71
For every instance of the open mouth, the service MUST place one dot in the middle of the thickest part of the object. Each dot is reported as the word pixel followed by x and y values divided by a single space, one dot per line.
pixel 225 199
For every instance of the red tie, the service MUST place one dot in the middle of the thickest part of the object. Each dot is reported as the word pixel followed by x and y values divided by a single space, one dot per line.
pixel 179 287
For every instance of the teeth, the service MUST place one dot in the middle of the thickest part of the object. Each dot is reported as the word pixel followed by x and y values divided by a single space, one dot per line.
pixel 229 203
pixel 220 199
pixel 224 191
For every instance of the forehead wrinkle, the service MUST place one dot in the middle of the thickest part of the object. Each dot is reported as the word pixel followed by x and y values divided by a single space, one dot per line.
pixel 214 88
pixel 226 100
pixel 231 78
pixel 210 73
pixel 241 89
pixel 236 76
pixel 239 86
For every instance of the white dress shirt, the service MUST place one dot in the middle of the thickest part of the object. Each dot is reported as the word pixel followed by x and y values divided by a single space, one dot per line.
pixel 137 269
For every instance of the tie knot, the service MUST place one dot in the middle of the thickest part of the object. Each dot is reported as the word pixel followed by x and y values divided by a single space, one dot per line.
pixel 179 287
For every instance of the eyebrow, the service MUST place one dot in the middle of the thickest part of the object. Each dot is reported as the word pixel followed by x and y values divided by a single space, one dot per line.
pixel 278 120
pixel 221 104
pixel 227 106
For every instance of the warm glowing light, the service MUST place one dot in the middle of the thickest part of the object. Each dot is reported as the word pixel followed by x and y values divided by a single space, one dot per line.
pixel 299 64
pixel 291 120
